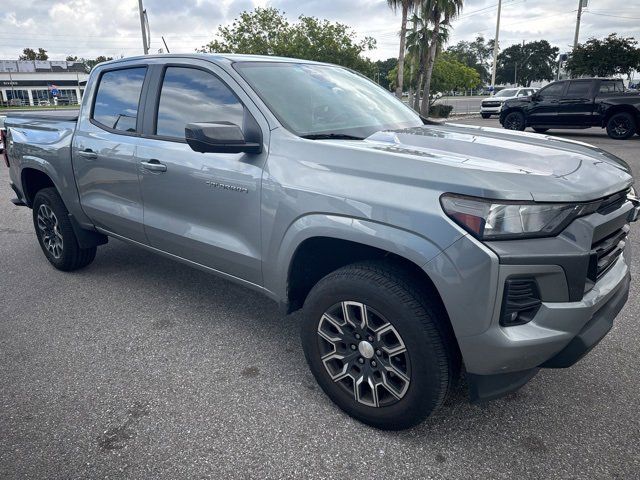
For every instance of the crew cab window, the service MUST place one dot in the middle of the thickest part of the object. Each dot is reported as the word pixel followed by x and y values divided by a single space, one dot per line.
pixel 578 89
pixel 611 86
pixel 118 97
pixel 191 95
pixel 553 90
pixel 523 93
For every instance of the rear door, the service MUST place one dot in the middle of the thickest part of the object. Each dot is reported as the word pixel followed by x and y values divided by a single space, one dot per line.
pixel 103 151
pixel 544 108
pixel 204 207
pixel 576 105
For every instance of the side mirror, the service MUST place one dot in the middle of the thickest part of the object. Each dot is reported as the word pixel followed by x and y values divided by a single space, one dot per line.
pixel 219 137
pixel 535 97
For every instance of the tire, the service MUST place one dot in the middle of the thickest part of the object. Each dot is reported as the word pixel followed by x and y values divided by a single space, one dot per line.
pixel 485 115
pixel 621 126
pixel 55 233
pixel 421 376
pixel 514 121
pixel 539 130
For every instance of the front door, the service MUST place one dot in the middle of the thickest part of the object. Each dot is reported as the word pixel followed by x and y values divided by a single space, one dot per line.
pixel 204 207
pixel 544 105
pixel 103 154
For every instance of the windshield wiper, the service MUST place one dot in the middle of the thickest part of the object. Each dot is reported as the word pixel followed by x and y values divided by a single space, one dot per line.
pixel 331 136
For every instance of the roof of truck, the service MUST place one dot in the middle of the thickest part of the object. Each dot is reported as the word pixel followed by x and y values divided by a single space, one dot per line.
pixel 231 57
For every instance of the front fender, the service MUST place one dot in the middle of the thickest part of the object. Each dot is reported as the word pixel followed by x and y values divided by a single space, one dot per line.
pixel 408 245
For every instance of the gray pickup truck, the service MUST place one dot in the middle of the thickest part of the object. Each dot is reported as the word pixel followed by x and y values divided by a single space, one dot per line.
pixel 414 249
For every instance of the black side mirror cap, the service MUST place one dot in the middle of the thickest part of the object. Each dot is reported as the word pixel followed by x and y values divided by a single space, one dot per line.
pixel 219 137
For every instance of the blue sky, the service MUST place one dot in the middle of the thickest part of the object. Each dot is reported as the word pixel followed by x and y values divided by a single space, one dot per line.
pixel 111 27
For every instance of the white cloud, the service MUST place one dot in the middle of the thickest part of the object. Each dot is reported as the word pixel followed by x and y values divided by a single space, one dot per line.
pixel 88 28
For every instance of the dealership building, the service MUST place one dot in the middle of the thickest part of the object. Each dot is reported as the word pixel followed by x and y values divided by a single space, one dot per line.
pixel 27 82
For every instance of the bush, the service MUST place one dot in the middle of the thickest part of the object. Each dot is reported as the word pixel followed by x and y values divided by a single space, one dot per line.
pixel 440 111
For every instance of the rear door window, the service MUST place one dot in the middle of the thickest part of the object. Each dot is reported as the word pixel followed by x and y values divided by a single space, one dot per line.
pixel 611 86
pixel 192 95
pixel 118 98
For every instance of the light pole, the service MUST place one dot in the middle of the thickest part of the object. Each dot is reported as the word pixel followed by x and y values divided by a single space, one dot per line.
pixel 145 45
pixel 495 47
pixel 577 34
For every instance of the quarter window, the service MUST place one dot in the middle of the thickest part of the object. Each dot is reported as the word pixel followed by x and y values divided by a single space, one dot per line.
pixel 191 95
pixel 118 98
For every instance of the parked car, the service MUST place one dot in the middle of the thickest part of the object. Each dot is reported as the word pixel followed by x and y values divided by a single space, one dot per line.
pixel 493 104
pixel 582 103
pixel 412 247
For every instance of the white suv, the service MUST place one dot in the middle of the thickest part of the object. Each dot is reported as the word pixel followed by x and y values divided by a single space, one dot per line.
pixel 493 104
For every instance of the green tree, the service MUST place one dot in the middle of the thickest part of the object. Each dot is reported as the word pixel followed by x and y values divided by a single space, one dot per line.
pixel 604 58
pixel 31 54
pixel 382 69
pixel 89 64
pixel 523 64
pixel 405 7
pixel 475 54
pixel 448 75
pixel 266 31
pixel 439 13
pixel 418 48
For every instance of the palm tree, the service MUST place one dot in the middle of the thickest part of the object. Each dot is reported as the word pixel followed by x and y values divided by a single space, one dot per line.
pixel 405 6
pixel 439 13
pixel 418 41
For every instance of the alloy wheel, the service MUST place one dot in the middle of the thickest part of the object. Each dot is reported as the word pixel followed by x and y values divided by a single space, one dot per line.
pixel 50 231
pixel 621 126
pixel 513 122
pixel 364 354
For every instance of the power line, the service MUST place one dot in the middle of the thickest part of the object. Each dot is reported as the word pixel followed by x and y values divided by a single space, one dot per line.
pixel 609 15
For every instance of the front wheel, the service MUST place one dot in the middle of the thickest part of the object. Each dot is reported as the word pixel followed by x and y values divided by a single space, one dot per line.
pixel 55 233
pixel 514 121
pixel 621 126
pixel 378 347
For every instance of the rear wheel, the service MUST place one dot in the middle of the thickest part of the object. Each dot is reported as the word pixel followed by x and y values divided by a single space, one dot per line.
pixel 514 121
pixel 377 346
pixel 55 233
pixel 621 126
pixel 539 130
pixel 485 115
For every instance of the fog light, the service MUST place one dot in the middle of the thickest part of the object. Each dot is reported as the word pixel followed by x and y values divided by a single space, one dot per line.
pixel 520 301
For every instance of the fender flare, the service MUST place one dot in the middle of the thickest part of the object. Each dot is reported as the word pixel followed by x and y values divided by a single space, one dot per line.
pixel 411 246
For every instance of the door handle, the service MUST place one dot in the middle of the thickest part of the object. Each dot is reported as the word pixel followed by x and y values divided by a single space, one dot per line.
pixel 88 154
pixel 154 165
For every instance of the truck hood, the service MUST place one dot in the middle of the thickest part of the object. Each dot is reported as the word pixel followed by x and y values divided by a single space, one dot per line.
pixel 508 164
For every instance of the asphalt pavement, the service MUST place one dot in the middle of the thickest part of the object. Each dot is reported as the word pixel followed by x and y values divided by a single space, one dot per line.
pixel 140 367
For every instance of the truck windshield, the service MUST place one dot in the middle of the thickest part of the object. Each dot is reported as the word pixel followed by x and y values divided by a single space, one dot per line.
pixel 324 101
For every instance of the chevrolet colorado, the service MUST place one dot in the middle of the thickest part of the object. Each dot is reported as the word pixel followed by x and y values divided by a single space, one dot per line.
pixel 414 249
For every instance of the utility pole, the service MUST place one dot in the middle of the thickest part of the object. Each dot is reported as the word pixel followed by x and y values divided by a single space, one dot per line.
pixel 495 47
pixel 575 37
pixel 145 45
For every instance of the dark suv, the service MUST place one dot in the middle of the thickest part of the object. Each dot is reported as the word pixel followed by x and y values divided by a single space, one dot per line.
pixel 579 103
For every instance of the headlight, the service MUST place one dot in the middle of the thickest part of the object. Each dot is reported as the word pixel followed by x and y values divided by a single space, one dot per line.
pixel 503 220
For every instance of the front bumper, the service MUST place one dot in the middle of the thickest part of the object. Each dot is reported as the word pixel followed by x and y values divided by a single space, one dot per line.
pixel 574 315
pixel 493 110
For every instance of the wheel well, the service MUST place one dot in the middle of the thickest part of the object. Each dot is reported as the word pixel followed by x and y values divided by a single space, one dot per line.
pixel 619 109
pixel 32 181
pixel 318 256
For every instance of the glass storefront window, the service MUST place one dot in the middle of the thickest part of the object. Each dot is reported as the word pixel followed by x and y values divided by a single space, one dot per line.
pixel 18 97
